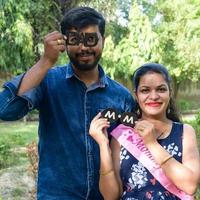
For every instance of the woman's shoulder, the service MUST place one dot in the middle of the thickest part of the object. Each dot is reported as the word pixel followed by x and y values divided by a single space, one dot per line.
pixel 188 130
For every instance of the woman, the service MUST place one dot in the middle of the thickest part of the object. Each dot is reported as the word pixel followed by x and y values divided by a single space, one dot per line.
pixel 173 145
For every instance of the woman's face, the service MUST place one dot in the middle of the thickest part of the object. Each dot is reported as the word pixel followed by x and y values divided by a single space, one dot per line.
pixel 153 95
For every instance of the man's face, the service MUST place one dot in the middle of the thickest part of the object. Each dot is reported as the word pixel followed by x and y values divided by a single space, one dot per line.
pixel 84 47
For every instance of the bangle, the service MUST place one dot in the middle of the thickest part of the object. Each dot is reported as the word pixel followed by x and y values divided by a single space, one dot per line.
pixel 166 159
pixel 106 173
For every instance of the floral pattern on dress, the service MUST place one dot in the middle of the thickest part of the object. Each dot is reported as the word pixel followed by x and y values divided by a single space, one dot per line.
pixel 138 176
pixel 173 149
pixel 123 154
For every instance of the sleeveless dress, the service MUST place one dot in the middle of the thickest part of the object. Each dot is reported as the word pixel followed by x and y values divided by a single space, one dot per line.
pixel 138 183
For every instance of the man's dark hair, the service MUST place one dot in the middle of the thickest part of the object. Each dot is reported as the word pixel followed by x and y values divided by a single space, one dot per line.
pixel 81 17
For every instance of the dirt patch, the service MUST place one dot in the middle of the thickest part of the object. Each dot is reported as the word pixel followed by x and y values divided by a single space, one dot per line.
pixel 16 184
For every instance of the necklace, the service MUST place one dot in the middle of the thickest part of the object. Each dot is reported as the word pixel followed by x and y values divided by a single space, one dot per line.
pixel 162 133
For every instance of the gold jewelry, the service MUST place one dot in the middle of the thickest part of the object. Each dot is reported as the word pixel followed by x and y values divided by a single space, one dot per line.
pixel 59 42
pixel 166 159
pixel 141 129
pixel 106 173
pixel 160 135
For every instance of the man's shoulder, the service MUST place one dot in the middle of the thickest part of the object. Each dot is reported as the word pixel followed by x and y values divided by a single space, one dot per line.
pixel 117 85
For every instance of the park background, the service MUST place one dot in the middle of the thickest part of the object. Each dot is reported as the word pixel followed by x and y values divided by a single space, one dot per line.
pixel 136 32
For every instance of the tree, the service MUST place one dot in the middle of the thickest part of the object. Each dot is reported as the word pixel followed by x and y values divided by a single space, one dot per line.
pixel 23 24
pixel 179 37
pixel 139 46
pixel 16 36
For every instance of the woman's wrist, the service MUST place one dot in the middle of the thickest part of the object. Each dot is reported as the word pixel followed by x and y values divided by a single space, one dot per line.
pixel 106 172
pixel 104 143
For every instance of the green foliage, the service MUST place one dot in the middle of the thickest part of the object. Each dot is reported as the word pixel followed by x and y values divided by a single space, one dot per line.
pixel 184 105
pixel 107 9
pixel 107 62
pixel 138 46
pixel 198 119
pixel 16 37
pixel 197 195
pixel 180 37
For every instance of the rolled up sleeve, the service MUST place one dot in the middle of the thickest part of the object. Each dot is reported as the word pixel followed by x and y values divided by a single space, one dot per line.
pixel 14 107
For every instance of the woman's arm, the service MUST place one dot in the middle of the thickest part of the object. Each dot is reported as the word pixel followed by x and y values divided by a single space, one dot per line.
pixel 115 148
pixel 108 184
pixel 184 175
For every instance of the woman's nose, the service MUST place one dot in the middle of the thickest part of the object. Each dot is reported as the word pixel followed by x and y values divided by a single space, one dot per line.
pixel 154 95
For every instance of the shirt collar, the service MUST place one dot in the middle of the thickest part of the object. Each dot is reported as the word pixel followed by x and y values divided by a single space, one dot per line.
pixel 103 79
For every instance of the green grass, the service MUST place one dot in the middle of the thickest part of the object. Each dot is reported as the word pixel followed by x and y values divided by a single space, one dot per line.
pixel 14 136
pixel 18 133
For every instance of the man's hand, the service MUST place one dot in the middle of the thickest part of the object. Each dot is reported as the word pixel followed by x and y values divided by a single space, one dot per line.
pixel 54 44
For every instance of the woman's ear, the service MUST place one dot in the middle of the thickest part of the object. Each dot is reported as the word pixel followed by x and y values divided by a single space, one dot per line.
pixel 135 95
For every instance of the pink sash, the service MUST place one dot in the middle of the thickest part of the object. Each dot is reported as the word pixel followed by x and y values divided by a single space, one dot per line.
pixel 134 144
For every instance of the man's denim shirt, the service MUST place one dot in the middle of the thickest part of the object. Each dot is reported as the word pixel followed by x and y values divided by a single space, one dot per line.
pixel 68 156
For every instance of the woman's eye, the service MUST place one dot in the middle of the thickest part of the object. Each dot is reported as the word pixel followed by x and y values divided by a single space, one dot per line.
pixel 144 91
pixel 162 89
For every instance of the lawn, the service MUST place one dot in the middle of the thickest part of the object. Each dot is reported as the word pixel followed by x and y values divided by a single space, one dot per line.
pixel 14 137
pixel 16 180
pixel 18 133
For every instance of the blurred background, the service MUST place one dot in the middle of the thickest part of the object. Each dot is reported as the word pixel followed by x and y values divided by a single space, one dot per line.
pixel 137 31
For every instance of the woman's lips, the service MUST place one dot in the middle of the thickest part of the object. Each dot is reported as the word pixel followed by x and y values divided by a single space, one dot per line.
pixel 153 104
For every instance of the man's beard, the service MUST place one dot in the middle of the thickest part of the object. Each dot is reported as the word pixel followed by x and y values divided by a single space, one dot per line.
pixel 83 66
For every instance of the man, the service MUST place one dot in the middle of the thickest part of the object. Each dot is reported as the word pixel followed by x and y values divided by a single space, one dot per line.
pixel 67 97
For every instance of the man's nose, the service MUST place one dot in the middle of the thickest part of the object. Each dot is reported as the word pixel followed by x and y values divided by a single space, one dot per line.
pixel 82 46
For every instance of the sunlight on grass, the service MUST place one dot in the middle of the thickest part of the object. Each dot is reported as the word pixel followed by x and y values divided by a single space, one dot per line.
pixel 19 133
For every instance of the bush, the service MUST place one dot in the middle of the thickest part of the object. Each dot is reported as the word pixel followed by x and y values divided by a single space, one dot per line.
pixel 184 105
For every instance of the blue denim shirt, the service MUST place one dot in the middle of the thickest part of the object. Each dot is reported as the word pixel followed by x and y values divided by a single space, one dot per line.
pixel 68 156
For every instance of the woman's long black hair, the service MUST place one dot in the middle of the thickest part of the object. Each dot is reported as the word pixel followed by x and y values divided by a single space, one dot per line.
pixel 171 112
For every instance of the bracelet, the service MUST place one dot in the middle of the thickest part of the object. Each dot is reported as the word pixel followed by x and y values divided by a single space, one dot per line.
pixel 166 159
pixel 106 173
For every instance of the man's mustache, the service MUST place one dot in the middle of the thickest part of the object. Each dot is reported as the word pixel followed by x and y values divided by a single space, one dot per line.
pixel 85 53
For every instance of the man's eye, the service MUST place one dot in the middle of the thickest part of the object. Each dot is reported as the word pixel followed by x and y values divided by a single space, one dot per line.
pixel 91 39
pixel 73 39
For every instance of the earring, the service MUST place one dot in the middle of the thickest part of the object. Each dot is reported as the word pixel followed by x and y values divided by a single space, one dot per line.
pixel 138 112
pixel 168 110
